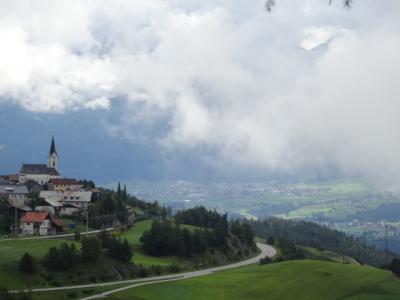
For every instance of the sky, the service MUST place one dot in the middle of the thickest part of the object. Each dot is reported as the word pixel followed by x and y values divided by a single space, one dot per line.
pixel 202 90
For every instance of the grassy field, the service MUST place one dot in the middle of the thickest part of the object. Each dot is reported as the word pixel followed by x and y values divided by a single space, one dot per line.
pixel 343 186
pixel 288 280
pixel 140 257
pixel 12 251
pixel 10 254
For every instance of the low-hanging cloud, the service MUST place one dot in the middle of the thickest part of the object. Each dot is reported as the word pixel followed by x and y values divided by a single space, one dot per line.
pixel 305 87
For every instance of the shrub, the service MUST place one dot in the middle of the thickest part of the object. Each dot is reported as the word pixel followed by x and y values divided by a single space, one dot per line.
pixel 265 260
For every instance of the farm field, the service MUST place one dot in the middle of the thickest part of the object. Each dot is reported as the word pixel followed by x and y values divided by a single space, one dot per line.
pixel 288 280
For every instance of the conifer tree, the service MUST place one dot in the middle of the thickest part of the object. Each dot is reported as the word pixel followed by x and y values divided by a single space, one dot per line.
pixel 125 195
pixel 119 189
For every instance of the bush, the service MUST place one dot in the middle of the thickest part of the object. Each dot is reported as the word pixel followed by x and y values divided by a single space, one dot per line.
pixel 266 260
pixel 27 264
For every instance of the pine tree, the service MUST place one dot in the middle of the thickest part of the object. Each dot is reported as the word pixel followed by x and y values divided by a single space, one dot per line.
pixel 27 264
pixel 125 195
pixel 119 189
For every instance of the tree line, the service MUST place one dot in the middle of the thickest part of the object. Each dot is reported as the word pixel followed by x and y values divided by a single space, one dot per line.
pixel 170 237
pixel 313 235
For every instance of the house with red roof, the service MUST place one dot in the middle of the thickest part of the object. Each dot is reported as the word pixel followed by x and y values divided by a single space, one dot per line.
pixel 36 222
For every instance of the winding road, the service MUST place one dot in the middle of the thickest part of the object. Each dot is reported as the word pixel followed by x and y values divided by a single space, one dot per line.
pixel 266 250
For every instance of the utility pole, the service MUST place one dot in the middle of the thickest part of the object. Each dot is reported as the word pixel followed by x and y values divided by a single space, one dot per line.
pixel 386 239
pixel 87 221
pixel 344 251
pixel 15 221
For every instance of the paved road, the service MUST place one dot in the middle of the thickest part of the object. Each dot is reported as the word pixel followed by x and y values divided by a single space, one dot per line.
pixel 265 251
pixel 56 236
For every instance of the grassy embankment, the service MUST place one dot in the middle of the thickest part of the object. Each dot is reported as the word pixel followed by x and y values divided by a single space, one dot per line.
pixel 288 280
pixel 12 251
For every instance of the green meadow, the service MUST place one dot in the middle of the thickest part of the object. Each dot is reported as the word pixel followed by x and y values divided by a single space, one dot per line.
pixel 139 257
pixel 12 251
pixel 10 254
pixel 300 280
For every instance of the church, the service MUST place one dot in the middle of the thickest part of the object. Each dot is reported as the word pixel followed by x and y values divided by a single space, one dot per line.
pixel 41 173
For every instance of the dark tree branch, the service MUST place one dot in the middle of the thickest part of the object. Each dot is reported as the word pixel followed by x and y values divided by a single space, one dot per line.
pixel 270 3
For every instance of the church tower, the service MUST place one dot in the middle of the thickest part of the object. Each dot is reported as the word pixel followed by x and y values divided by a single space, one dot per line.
pixel 52 155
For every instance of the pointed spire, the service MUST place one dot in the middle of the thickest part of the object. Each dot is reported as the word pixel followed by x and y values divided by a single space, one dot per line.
pixel 52 147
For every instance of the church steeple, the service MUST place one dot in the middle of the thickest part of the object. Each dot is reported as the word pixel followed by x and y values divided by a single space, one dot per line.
pixel 52 147
pixel 52 155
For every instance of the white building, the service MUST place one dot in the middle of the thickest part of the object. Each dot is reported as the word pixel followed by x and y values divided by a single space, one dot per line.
pixel 15 194
pixel 41 173
pixel 35 223
pixel 69 201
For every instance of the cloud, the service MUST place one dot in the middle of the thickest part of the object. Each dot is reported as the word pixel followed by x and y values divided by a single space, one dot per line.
pixel 307 87
pixel 98 103
pixel 2 147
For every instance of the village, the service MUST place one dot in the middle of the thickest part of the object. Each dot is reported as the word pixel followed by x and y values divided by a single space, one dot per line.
pixel 37 197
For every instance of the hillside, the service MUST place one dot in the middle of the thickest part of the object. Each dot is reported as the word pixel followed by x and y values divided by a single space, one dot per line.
pixel 288 280
pixel 309 234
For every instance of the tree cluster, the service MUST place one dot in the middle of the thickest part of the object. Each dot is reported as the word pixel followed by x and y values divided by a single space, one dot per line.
pixel 288 250
pixel 201 217
pixel 243 231
pixel 90 249
pixel 111 206
pixel 106 209
pixel 167 238
pixel 117 248
pixel 394 266
pixel 62 258
pixel 66 256
pixel 310 234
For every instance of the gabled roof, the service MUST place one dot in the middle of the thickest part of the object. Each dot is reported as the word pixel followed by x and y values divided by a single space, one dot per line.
pixel 34 217
pixel 38 169
pixel 13 189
